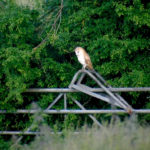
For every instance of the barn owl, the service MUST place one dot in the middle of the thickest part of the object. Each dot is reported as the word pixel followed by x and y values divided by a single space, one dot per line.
pixel 83 58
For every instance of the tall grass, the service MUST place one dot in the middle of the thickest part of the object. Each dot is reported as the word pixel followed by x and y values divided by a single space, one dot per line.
pixel 114 136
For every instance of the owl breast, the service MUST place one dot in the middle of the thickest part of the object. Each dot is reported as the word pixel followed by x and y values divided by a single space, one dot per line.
pixel 81 59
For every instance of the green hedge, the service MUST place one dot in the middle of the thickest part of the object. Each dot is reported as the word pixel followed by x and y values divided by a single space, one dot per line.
pixel 36 50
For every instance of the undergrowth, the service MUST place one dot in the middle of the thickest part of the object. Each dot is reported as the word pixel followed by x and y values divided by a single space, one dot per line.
pixel 126 135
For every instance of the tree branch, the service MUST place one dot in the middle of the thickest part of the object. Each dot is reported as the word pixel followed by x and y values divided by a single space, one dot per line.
pixel 58 17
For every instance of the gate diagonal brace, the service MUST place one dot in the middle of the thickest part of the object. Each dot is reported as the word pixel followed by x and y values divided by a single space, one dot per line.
pixel 109 97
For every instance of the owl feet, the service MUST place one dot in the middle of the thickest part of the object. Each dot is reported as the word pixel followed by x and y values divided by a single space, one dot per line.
pixel 83 69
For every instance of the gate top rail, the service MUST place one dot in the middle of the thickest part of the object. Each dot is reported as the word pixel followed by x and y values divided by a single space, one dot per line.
pixel 68 90
pixel 76 111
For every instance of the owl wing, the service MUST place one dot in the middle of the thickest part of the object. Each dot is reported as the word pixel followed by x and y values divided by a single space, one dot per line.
pixel 88 61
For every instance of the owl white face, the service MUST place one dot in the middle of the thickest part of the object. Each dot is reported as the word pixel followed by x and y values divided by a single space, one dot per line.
pixel 78 51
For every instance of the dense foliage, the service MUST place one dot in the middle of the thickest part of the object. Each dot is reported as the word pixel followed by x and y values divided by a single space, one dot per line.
pixel 37 39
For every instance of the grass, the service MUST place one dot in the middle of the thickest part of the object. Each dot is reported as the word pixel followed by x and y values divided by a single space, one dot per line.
pixel 114 136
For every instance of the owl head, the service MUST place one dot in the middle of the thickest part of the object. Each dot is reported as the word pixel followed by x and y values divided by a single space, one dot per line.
pixel 79 51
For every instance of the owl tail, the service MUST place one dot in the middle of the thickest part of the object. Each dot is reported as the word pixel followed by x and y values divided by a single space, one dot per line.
pixel 90 67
